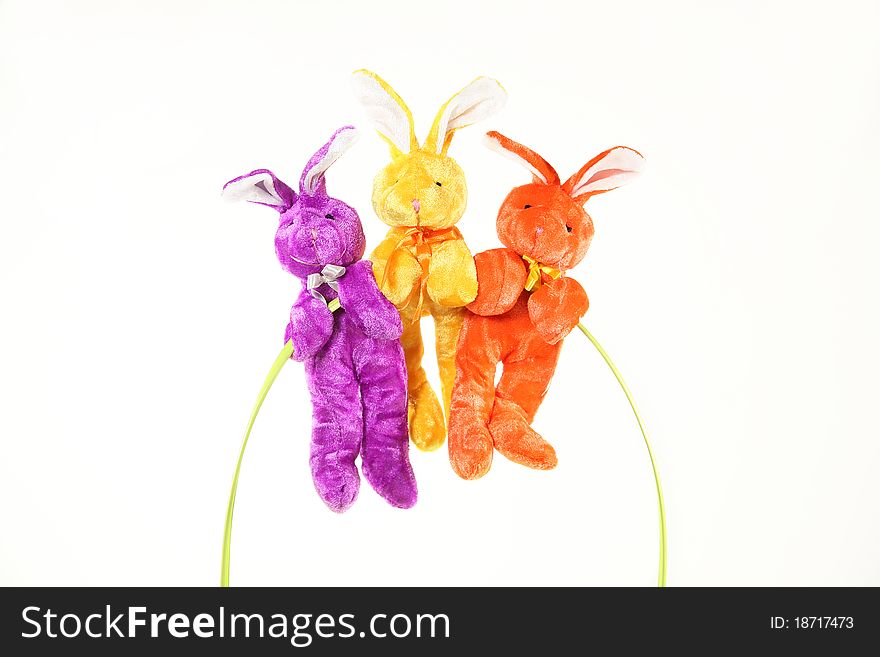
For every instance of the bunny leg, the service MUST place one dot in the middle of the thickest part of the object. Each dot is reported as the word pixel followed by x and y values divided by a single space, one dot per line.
pixel 519 394
pixel 337 427
pixel 470 443
pixel 447 325
pixel 385 448
pixel 426 426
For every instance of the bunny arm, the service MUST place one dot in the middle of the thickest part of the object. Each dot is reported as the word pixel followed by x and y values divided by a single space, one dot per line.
pixel 369 309
pixel 311 324
pixel 556 307
pixel 403 274
pixel 452 276
pixel 501 277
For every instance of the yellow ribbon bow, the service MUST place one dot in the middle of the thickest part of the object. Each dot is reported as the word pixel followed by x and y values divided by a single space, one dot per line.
pixel 536 269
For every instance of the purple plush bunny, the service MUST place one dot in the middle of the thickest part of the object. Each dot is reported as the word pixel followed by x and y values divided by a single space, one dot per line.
pixel 344 330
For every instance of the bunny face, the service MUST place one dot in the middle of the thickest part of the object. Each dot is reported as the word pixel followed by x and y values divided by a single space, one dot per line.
pixel 420 189
pixel 545 219
pixel 318 231
pixel 544 223
pixel 422 186
pixel 314 229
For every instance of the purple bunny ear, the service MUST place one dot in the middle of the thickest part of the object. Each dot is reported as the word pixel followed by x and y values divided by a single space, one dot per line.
pixel 262 187
pixel 312 180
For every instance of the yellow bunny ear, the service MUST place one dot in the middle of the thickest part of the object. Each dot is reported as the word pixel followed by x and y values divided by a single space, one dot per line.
pixel 477 101
pixel 389 114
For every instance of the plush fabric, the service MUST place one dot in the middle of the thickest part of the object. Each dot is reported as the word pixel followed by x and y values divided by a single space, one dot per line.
pixel 524 308
pixel 423 265
pixel 345 331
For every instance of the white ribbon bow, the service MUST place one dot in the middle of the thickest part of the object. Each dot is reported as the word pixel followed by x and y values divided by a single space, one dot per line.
pixel 329 275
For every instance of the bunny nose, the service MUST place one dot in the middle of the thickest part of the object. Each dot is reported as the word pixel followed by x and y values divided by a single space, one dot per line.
pixel 416 205
pixel 539 231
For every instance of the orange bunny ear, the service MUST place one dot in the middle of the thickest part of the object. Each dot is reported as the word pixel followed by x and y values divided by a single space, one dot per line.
pixel 539 167
pixel 608 170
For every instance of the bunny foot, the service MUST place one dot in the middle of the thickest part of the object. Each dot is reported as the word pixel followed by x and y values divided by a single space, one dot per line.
pixel 516 440
pixel 426 425
pixel 470 449
pixel 392 477
pixel 336 483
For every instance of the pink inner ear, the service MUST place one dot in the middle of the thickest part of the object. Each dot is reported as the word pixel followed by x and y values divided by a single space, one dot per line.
pixel 312 179
pixel 608 170
pixel 603 174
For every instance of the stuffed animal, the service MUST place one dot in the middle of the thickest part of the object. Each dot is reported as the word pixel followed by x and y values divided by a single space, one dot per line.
pixel 423 265
pixel 344 330
pixel 526 305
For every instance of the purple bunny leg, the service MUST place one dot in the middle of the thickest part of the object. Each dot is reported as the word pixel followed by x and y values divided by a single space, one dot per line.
pixel 385 450
pixel 337 424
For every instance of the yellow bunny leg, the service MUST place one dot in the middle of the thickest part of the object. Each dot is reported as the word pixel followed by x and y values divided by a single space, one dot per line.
pixel 447 324
pixel 426 426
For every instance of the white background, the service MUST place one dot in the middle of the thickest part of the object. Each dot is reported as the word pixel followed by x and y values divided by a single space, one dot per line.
pixel 734 284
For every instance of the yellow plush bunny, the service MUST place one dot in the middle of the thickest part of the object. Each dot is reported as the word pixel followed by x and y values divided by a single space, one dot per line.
pixel 423 265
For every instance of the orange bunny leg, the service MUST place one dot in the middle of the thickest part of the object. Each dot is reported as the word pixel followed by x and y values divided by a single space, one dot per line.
pixel 520 393
pixel 447 325
pixel 516 440
pixel 470 443
pixel 426 426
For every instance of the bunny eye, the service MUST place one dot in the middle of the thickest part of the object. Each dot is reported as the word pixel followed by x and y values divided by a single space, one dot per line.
pixel 568 228
pixel 438 184
pixel 527 206
pixel 329 216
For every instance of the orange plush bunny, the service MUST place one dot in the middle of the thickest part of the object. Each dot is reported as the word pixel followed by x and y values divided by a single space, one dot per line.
pixel 525 306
